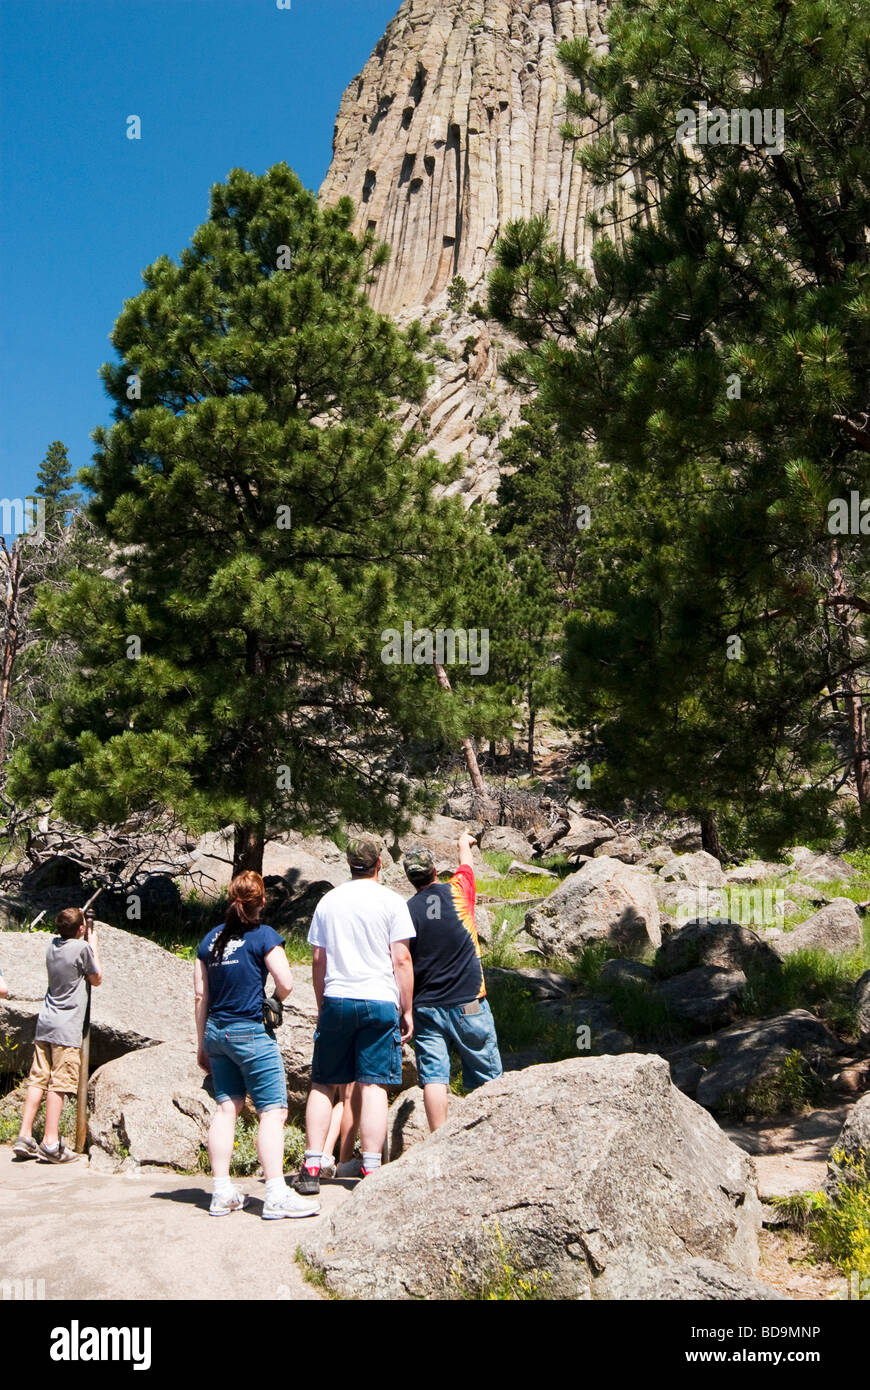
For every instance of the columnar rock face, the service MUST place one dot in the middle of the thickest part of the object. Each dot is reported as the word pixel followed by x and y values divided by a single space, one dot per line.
pixel 451 131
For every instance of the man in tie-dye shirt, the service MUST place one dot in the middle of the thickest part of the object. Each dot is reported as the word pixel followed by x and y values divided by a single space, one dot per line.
pixel 450 1008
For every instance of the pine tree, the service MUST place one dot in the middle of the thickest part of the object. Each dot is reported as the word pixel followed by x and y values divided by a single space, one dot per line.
pixel 272 526
pixel 55 484
pixel 717 341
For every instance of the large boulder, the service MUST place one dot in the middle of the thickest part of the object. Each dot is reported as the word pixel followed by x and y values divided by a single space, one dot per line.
pixel 835 928
pixel 632 1176
pixel 584 836
pixel 704 998
pixel 506 839
pixel 153 1106
pixel 716 942
pixel 624 847
pixel 734 1061
pixel 697 870
pixel 146 996
pixel 605 900
pixel 824 868
pixel 702 1279
pixel 853 1146
pixel 862 1006
pixel 755 870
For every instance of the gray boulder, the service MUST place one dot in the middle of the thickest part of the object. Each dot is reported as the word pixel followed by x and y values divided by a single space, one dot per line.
pixel 605 900
pixel 584 837
pixel 854 1143
pixel 632 1176
pixel 153 1106
pixel 621 971
pixel 702 1279
pixel 862 1004
pixel 756 869
pixel 724 944
pixel 695 869
pixel 506 839
pixel 624 847
pixel 835 928
pixel 704 998
pixel 146 996
pixel 738 1058
pixel 825 868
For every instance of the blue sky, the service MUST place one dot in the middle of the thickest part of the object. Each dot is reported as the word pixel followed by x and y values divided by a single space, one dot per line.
pixel 216 84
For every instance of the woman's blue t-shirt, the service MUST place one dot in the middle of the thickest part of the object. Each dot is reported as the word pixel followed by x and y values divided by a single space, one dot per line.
pixel 235 986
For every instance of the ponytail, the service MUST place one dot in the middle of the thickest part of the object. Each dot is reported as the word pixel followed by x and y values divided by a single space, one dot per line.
pixel 247 892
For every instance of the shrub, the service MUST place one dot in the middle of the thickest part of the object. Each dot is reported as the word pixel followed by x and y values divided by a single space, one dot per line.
pixel 840 1227
pixel 457 294
pixel 791 1089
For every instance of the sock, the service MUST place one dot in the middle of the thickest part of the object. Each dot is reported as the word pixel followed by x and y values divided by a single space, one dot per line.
pixel 275 1189
pixel 223 1187
pixel 51 1147
pixel 312 1160
pixel 370 1162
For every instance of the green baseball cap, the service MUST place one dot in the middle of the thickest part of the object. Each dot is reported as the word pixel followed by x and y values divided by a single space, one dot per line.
pixel 417 860
pixel 362 853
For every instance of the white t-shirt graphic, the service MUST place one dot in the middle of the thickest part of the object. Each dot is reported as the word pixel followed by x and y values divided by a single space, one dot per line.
pixel 356 924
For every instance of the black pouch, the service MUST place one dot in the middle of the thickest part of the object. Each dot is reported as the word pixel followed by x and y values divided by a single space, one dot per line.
pixel 273 1012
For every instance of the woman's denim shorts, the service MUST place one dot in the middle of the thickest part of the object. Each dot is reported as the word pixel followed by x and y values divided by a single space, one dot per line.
pixel 246 1060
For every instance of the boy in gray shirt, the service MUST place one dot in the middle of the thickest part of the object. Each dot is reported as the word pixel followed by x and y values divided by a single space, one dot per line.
pixel 72 958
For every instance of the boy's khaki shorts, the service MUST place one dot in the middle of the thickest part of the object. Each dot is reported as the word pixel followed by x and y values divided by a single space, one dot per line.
pixel 55 1068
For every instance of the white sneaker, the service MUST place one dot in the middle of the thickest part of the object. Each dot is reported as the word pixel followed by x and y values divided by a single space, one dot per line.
pixel 328 1167
pixel 289 1204
pixel 222 1205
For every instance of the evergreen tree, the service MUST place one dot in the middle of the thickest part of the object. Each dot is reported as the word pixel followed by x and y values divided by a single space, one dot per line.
pixel 272 526
pixel 716 345
pixel 55 484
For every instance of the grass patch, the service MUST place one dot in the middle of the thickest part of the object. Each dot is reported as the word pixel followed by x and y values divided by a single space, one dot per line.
pixel 840 1227
pixel 521 1024
pixel 501 1278
pixel 791 1090
pixel 811 979
pixel 642 1013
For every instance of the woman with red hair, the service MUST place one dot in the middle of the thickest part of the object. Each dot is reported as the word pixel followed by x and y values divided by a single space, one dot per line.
pixel 232 965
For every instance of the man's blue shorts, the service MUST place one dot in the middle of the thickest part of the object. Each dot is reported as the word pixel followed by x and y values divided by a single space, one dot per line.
pixel 246 1060
pixel 357 1040
pixel 473 1036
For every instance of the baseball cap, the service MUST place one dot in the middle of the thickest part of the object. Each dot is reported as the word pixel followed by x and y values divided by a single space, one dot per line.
pixel 417 860
pixel 362 853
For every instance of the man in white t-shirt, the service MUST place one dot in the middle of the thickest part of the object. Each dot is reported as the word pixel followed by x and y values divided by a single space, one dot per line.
pixel 364 982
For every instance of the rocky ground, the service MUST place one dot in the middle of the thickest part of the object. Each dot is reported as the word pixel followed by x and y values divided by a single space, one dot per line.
pixel 609 948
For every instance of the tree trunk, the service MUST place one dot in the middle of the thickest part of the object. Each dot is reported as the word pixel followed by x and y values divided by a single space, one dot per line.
pixel 531 743
pixel 855 709
pixel 249 841
pixel 11 601
pixel 710 835
pixel 467 745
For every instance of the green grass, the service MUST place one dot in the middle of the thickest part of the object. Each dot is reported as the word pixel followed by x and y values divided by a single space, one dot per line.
pixel 641 1013
pixel 521 1024
pixel 811 979
pixel 315 1277
pixel 840 1228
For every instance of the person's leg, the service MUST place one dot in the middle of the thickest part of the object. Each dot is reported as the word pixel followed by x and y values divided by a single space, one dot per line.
pixel 373 1123
pixel 270 1144
pixel 435 1102
pixel 318 1113
pixel 475 1039
pixel 221 1136
pixel 32 1102
pixel 349 1121
pixel 53 1108
pixel 335 1126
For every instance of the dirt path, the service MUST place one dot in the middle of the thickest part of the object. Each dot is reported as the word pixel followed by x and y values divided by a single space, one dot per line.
pixel 91 1235
pixel 790 1154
